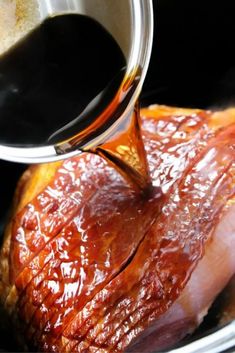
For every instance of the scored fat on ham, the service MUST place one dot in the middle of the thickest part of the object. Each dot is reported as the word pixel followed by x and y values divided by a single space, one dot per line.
pixel 89 265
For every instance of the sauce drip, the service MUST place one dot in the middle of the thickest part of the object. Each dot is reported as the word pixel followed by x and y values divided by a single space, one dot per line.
pixel 67 78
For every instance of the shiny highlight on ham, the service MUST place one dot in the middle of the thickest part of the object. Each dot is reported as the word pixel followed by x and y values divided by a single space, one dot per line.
pixel 89 265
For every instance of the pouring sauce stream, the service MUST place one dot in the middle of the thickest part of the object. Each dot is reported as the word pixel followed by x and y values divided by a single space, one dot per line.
pixel 67 78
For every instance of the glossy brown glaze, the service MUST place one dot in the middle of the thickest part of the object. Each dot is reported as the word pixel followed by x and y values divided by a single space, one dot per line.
pixel 94 262
pixel 125 151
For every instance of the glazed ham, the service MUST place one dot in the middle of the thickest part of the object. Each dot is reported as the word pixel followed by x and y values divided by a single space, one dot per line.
pixel 89 265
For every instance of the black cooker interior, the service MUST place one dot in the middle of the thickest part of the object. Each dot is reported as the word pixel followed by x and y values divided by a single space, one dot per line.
pixel 192 65
pixel 193 57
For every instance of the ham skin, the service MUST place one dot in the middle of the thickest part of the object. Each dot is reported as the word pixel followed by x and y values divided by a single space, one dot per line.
pixel 89 265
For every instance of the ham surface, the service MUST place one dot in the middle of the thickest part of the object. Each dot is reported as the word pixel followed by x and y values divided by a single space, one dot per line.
pixel 89 265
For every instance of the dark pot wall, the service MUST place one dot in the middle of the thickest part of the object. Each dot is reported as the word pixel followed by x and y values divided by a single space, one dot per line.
pixel 193 57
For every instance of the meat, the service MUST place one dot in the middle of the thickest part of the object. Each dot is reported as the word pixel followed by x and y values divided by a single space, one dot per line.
pixel 204 285
pixel 89 265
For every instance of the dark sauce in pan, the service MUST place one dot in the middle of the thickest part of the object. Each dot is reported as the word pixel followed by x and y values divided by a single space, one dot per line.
pixel 51 76
pixel 67 78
